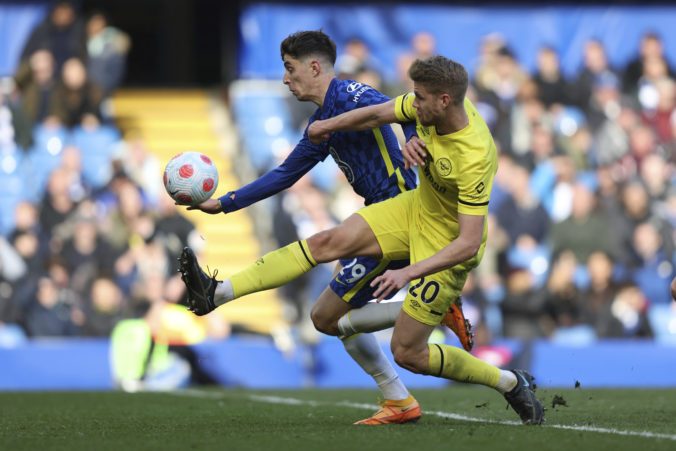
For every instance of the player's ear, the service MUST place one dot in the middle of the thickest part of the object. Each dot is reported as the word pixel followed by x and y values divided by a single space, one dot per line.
pixel 445 99
pixel 316 67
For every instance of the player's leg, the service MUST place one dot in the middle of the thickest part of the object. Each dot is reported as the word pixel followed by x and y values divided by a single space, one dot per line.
pixel 422 311
pixel 349 292
pixel 366 351
pixel 353 237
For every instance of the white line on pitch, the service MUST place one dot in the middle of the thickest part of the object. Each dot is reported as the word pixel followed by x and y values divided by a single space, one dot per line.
pixel 453 416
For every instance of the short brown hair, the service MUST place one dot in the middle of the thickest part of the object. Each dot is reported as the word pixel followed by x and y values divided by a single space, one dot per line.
pixel 440 74
pixel 306 43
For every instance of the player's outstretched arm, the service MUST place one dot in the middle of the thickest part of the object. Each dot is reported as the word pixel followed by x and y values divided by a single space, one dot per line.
pixel 365 118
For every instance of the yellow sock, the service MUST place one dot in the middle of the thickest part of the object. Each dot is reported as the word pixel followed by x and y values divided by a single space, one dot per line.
pixel 459 365
pixel 274 269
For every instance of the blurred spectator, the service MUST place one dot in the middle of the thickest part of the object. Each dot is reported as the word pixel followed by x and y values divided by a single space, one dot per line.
pixel 107 49
pixel 651 48
pixel 586 230
pixel 654 70
pixel 423 44
pixel 642 143
pixel 489 54
pixel 53 309
pixel 133 158
pixel 87 253
pixel 505 78
pixel 611 139
pixel 605 101
pixel 61 33
pixel 655 174
pixel 599 296
pixel 10 311
pixel 36 79
pixel 659 116
pixel 629 310
pixel 523 306
pixel 563 299
pixel 15 127
pixel 81 98
pixel 355 58
pixel 655 271
pixel 175 230
pixel 57 202
pixel 552 87
pixel 522 215
pixel 595 66
pixel 104 308
pixel 526 113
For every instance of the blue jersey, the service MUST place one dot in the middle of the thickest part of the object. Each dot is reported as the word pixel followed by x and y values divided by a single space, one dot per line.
pixel 371 160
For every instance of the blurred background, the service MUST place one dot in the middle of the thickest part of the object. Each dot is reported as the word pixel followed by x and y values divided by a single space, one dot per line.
pixel 97 96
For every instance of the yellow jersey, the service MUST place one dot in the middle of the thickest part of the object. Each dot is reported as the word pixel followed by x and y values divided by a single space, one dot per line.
pixel 459 169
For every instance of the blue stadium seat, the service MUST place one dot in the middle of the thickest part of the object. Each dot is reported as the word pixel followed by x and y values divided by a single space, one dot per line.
pixel 261 113
pixel 96 147
pixel 662 318
pixel 11 193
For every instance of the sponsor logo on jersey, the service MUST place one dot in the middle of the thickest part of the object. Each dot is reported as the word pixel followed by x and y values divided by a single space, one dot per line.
pixel 357 96
pixel 434 183
pixel 347 170
pixel 444 166
pixel 480 187
pixel 352 87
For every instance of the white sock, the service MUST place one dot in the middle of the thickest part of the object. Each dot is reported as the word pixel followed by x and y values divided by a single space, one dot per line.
pixel 366 351
pixel 507 382
pixel 223 292
pixel 369 318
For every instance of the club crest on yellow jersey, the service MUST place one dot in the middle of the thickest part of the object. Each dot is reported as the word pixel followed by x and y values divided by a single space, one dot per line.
pixel 444 166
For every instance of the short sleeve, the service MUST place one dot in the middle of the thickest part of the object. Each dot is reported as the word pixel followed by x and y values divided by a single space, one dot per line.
pixel 474 186
pixel 404 109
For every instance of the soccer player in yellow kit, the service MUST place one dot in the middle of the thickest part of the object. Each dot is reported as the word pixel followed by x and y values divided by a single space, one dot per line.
pixel 440 225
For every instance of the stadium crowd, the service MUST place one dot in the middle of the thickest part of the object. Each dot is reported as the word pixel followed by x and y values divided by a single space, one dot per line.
pixel 87 239
pixel 581 225
pixel 582 214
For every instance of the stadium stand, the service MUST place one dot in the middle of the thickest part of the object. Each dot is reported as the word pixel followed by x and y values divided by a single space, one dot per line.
pixel 175 121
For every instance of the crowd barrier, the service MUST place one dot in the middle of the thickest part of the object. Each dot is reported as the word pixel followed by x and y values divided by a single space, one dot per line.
pixel 254 362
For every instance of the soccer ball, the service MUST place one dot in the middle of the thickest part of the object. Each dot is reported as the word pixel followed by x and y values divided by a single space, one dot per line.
pixel 190 178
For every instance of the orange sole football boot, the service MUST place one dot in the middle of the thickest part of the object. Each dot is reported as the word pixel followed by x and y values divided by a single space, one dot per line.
pixel 395 412
pixel 455 320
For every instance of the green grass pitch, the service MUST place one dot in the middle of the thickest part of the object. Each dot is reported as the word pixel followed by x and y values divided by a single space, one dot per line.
pixel 458 417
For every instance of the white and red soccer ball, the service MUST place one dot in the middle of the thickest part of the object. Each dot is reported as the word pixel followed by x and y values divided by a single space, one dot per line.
pixel 190 178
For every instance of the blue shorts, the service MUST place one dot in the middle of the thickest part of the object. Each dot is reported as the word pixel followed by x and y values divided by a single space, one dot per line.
pixel 353 282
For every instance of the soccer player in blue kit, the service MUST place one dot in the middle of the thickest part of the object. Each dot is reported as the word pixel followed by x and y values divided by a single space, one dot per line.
pixel 373 164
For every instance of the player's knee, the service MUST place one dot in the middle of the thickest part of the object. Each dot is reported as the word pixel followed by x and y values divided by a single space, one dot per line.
pixel 321 246
pixel 325 324
pixel 407 357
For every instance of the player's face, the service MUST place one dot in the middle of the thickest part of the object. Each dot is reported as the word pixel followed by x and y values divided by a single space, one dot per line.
pixel 429 105
pixel 298 77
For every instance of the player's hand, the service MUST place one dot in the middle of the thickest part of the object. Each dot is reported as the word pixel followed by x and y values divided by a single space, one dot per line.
pixel 316 132
pixel 390 281
pixel 211 206
pixel 414 152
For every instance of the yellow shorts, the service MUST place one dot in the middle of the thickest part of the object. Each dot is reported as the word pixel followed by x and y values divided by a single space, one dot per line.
pixel 402 233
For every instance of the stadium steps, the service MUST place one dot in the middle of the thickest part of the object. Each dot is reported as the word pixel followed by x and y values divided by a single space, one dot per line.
pixel 174 121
